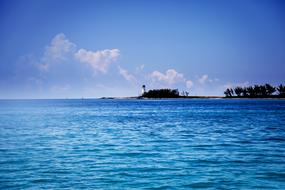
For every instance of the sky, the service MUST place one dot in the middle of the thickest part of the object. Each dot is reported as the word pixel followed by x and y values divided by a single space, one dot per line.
pixel 98 48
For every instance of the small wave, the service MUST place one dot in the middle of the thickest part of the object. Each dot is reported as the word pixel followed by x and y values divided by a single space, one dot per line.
pixel 200 185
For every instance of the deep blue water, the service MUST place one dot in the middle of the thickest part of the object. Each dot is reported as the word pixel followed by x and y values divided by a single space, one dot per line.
pixel 142 144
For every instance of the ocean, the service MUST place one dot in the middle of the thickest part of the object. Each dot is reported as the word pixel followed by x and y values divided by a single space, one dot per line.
pixel 142 144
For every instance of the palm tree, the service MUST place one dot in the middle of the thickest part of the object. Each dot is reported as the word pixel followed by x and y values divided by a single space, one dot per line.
pixel 263 91
pixel 244 92
pixel 281 90
pixel 269 89
pixel 186 93
pixel 229 92
pixel 238 90
pixel 250 91
pixel 257 90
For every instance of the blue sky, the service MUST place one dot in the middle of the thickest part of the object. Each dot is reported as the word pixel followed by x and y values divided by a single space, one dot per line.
pixel 74 49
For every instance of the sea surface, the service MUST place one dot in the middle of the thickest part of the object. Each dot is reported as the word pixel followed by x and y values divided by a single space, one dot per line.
pixel 142 144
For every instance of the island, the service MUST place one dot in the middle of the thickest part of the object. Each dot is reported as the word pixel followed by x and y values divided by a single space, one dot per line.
pixel 168 93
pixel 161 93
pixel 256 91
pixel 266 91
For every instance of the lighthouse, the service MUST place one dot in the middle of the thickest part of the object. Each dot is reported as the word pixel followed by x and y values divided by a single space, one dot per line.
pixel 143 89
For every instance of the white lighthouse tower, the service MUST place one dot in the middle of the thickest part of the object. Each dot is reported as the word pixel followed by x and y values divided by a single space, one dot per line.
pixel 143 89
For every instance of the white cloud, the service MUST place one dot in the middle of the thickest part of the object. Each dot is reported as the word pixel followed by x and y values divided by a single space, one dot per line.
pixel 203 79
pixel 58 50
pixel 232 85
pixel 61 62
pixel 189 84
pixel 99 60
pixel 129 77
pixel 170 77
pixel 61 49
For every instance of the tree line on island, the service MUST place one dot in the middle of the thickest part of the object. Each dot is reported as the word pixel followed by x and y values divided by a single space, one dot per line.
pixel 256 91
pixel 165 93
pixel 161 93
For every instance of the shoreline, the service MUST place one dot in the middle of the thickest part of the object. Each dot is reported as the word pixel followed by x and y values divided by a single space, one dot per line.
pixel 191 97
pixel 143 98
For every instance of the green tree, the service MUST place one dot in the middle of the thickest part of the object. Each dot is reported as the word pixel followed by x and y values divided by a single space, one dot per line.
pixel 244 92
pixel 251 92
pixel 257 90
pixel 238 90
pixel 162 93
pixel 269 89
pixel 281 90
pixel 263 91
pixel 229 92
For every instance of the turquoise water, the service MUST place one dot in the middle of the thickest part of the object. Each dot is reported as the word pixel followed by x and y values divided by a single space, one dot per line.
pixel 142 144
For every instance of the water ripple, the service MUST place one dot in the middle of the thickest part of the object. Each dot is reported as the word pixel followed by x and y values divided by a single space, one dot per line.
pixel 142 144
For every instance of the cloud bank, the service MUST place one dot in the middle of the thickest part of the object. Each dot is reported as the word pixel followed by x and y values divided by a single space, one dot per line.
pixel 99 61
pixel 170 77
pixel 58 51
pixel 205 79
pixel 62 49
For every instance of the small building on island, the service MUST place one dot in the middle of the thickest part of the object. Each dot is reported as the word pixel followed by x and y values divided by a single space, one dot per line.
pixel 143 89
